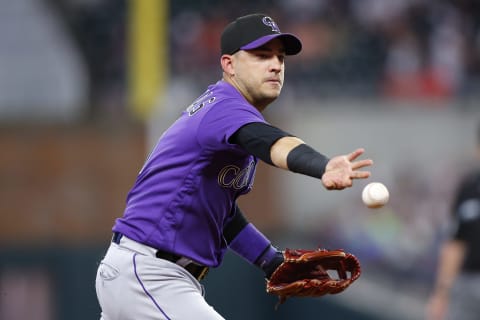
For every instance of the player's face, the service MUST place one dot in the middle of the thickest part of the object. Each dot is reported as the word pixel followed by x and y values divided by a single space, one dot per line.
pixel 259 73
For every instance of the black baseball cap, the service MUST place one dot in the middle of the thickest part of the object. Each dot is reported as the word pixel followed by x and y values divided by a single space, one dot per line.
pixel 253 31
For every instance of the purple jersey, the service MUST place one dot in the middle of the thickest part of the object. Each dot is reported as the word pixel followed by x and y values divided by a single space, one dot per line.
pixel 184 194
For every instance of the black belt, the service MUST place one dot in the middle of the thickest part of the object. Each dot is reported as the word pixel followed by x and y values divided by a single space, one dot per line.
pixel 198 271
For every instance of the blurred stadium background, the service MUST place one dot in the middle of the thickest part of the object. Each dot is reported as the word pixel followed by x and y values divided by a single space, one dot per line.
pixel 86 87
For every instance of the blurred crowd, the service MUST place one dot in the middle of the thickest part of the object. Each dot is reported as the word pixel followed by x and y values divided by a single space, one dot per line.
pixel 396 49
pixel 408 48
pixel 98 29
pixel 420 49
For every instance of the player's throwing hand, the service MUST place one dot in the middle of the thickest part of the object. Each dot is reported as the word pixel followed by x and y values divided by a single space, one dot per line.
pixel 341 170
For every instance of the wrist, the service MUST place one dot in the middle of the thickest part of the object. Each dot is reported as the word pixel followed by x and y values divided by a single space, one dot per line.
pixel 269 260
pixel 305 160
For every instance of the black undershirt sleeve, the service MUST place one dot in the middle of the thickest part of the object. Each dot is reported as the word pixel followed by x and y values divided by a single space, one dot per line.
pixel 233 228
pixel 257 138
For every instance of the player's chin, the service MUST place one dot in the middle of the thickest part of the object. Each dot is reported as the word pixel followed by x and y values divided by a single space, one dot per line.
pixel 272 91
pixel 269 98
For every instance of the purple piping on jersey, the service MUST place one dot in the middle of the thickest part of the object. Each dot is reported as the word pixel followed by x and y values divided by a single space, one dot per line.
pixel 144 289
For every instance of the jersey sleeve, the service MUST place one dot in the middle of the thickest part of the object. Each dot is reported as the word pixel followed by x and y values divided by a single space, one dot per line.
pixel 224 119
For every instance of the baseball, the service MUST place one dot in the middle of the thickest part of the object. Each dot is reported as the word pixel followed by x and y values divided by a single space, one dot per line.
pixel 375 195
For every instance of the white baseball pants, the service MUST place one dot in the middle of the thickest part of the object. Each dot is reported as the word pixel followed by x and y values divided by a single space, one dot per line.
pixel 132 283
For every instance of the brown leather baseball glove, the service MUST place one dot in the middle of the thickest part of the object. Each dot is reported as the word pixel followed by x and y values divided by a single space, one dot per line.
pixel 311 273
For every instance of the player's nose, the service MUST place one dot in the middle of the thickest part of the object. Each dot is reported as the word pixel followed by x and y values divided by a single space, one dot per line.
pixel 276 63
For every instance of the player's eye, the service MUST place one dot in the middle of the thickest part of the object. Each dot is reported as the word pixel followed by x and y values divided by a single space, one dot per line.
pixel 263 55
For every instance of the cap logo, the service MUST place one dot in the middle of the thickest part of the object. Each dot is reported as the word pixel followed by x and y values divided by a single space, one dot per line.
pixel 270 23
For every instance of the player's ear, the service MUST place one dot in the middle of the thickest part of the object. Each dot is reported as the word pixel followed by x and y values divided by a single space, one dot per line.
pixel 226 61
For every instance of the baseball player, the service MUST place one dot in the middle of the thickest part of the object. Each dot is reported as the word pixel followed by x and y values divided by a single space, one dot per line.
pixel 456 293
pixel 181 214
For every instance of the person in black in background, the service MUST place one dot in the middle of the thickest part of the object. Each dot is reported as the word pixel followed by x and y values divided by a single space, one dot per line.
pixel 456 293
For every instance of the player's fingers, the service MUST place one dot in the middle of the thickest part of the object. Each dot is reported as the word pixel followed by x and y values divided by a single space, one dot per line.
pixel 332 184
pixel 355 154
pixel 361 164
pixel 335 187
pixel 360 174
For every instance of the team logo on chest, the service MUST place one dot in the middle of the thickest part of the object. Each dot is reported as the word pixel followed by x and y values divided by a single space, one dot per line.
pixel 232 176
